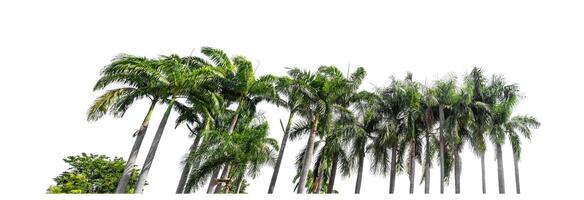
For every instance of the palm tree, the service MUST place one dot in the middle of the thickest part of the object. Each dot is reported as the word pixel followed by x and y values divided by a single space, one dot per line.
pixel 429 104
pixel 390 108
pixel 313 103
pixel 247 149
pixel 288 87
pixel 458 129
pixel 204 107
pixel 141 78
pixel 502 99
pixel 368 124
pixel 340 114
pixel 445 91
pixel 411 98
pixel 178 80
pixel 481 121
pixel 522 124
pixel 243 87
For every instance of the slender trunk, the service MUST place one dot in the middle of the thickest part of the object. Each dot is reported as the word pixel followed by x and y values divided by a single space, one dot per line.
pixel 308 155
pixel 187 168
pixel 412 166
pixel 153 148
pixel 239 183
pixel 333 174
pixel 428 158
pixel 280 154
pixel 213 180
pixel 500 172
pixel 320 179
pixel 359 174
pixel 224 176
pixel 441 110
pixel 123 183
pixel 517 186
pixel 427 169
pixel 393 169
pixel 457 169
pixel 483 173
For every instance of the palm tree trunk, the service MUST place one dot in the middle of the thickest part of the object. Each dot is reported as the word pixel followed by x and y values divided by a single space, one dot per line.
pixel 213 180
pixel 308 155
pixel 517 186
pixel 187 168
pixel 224 176
pixel 457 169
pixel 412 166
pixel 483 173
pixel 239 183
pixel 320 179
pixel 359 174
pixel 280 154
pixel 427 168
pixel 428 158
pixel 393 169
pixel 441 113
pixel 123 183
pixel 333 175
pixel 500 173
pixel 153 148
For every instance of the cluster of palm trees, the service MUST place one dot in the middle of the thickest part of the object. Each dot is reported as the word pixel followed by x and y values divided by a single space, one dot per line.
pixel 396 126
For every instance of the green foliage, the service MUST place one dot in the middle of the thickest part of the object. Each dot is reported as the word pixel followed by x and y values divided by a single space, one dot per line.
pixel 92 174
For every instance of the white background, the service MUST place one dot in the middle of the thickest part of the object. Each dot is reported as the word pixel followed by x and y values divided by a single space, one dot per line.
pixel 51 53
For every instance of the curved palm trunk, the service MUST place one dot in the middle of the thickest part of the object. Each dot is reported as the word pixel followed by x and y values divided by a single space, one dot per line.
pixel 392 170
pixel 153 148
pixel 213 180
pixel 123 183
pixel 500 173
pixel 187 168
pixel 412 166
pixel 333 175
pixel 457 169
pixel 441 151
pixel 483 173
pixel 308 156
pixel 280 154
pixel 515 164
pixel 239 183
pixel 359 174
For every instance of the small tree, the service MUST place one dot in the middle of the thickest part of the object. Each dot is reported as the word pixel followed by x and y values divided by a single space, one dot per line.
pixel 92 174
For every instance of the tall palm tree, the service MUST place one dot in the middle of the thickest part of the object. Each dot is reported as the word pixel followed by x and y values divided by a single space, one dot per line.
pixel 412 114
pixel 429 105
pixel 445 91
pixel 522 124
pixel 247 90
pixel 201 114
pixel 390 106
pixel 140 76
pixel 504 98
pixel 340 116
pixel 178 80
pixel 477 82
pixel 288 87
pixel 458 129
pixel 368 124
